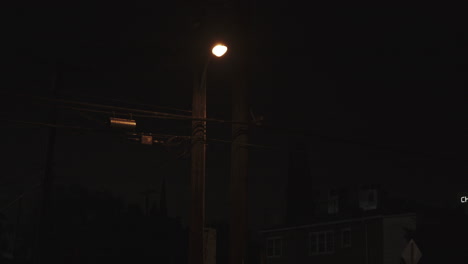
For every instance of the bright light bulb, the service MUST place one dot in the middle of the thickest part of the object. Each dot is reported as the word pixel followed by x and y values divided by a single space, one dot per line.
pixel 219 50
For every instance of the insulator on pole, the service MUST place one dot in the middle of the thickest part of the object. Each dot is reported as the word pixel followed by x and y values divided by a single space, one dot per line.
pixel 122 123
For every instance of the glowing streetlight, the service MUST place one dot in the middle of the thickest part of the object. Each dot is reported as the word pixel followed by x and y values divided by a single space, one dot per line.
pixel 219 50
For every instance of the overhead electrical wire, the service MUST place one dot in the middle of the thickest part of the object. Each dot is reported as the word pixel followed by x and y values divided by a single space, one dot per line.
pixel 113 113
pixel 348 141
pixel 309 134
pixel 160 115
pixel 19 197
pixel 76 127
pixel 136 103
pixel 127 111
pixel 245 144
pixel 132 133
pixel 104 99
pixel 46 124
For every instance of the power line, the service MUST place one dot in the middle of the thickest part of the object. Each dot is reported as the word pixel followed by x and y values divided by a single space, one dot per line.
pixel 156 113
pixel 127 111
pixel 284 130
pixel 82 128
pixel 46 124
pixel 19 197
pixel 105 99
pixel 361 143
pixel 309 134
pixel 135 133
pixel 246 145
pixel 111 113
pixel 138 103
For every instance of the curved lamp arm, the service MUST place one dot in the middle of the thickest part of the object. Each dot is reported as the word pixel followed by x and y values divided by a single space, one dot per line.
pixel 204 73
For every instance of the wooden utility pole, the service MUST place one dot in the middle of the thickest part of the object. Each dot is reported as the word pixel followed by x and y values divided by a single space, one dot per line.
pixel 238 232
pixel 41 247
pixel 197 180
pixel 239 157
pixel 146 194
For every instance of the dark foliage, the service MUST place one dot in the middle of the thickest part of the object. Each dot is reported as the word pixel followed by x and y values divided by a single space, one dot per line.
pixel 96 227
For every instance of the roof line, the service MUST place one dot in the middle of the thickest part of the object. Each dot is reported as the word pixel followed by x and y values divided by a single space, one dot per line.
pixel 337 222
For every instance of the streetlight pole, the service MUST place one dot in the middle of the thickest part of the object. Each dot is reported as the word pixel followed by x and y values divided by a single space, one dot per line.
pixel 197 183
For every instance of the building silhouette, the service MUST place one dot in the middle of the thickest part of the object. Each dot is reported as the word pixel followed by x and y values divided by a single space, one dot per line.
pixel 357 221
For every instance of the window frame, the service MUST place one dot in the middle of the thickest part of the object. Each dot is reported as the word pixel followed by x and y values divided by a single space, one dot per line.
pixel 332 206
pixel 317 243
pixel 343 245
pixel 333 201
pixel 275 241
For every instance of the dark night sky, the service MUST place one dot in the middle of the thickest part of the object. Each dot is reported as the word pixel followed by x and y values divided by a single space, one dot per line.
pixel 391 80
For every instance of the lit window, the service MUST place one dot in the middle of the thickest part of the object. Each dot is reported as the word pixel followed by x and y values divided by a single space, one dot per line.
pixel 274 247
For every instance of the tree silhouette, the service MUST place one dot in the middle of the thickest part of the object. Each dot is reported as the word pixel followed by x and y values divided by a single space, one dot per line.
pixel 95 226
